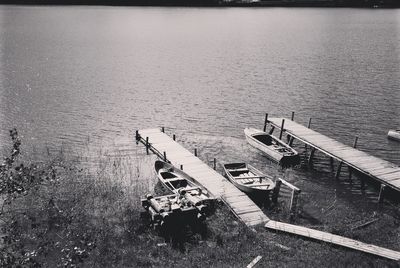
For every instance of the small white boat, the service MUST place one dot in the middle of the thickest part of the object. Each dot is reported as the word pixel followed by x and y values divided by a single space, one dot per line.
pixel 248 179
pixel 276 149
pixel 394 134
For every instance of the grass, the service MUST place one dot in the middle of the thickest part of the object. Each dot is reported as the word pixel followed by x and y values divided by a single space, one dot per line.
pixel 70 216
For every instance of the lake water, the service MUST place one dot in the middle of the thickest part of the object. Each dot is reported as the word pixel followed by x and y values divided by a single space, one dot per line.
pixel 78 77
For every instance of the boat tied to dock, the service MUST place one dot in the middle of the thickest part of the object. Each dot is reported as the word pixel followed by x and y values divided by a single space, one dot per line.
pixel 274 148
pixel 248 179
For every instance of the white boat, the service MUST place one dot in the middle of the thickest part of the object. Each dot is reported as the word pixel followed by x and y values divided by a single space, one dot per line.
pixel 394 134
pixel 248 179
pixel 276 149
pixel 181 183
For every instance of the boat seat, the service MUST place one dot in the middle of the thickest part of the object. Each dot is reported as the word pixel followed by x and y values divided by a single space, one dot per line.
pixel 247 181
pixel 238 169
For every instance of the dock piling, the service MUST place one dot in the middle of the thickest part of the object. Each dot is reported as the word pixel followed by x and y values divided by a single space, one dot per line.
pixel 265 122
pixel 215 163
pixel 338 170
pixel 174 137
pixel 137 137
pixel 310 158
pixel 162 129
pixel 275 192
pixel 309 123
pixel 292 118
pixel 381 193
pixel 293 204
pixel 350 168
pixel 165 156
pixel 181 167
pixel 271 130
pixel 195 151
pixel 282 126
pixel 147 145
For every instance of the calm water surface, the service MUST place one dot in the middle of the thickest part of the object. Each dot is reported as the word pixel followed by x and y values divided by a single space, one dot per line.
pixel 77 75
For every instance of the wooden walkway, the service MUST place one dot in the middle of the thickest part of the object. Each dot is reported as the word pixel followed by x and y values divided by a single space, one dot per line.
pixel 388 174
pixel 333 239
pixel 238 202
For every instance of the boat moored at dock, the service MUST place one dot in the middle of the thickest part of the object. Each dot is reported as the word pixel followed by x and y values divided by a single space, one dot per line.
pixel 248 179
pixel 274 148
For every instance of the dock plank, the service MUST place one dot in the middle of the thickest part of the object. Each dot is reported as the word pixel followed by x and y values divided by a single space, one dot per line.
pixel 333 239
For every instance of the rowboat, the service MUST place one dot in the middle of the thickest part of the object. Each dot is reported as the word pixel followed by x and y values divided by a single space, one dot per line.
pixel 181 183
pixel 248 179
pixel 274 148
pixel 394 134
pixel 169 208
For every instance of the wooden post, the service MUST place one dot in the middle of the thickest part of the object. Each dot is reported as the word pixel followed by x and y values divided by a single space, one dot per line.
pixel 215 163
pixel 362 182
pixel 282 126
pixel 265 122
pixel 331 162
pixel 309 123
pixel 350 168
pixel 381 193
pixel 338 170
pixel 162 129
pixel 174 137
pixel 147 145
pixel 292 118
pixel 355 142
pixel 271 130
pixel 308 126
pixel 293 204
pixel 275 192
pixel 137 137
pixel 181 167
pixel 291 141
pixel 311 156
pixel 165 156
pixel 195 151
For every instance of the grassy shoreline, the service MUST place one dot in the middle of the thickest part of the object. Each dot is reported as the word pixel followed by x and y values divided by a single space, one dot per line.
pixel 58 214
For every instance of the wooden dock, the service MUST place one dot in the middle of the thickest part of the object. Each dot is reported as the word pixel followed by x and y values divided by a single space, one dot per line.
pixel 333 239
pixel 240 204
pixel 387 173
pixel 169 150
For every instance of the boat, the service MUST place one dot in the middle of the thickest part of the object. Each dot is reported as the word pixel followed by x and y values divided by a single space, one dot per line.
pixel 181 183
pixel 394 134
pixel 248 179
pixel 274 148
pixel 169 208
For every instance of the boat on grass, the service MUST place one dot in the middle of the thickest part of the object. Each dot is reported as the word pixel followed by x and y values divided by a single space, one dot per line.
pixel 274 148
pixel 394 134
pixel 248 179
pixel 170 208
pixel 181 183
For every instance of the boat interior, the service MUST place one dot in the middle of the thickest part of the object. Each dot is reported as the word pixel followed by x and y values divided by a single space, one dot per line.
pixel 269 141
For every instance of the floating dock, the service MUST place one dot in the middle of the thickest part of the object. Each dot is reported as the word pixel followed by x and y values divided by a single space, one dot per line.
pixel 387 173
pixel 169 150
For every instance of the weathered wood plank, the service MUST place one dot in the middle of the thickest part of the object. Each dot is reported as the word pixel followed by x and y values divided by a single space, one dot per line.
pixel 334 239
